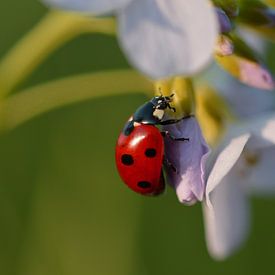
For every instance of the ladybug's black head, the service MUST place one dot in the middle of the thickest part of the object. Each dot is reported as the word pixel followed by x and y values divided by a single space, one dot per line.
pixel 163 102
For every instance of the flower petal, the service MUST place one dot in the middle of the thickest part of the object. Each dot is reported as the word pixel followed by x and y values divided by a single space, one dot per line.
pixel 88 6
pixel 164 38
pixel 227 158
pixel 254 134
pixel 224 22
pixel 231 7
pixel 255 75
pixel 254 41
pixel 248 72
pixel 268 131
pixel 224 46
pixel 262 129
pixel 255 167
pixel 238 95
pixel 245 65
pixel 226 218
pixel 245 163
pixel 188 157
pixel 257 175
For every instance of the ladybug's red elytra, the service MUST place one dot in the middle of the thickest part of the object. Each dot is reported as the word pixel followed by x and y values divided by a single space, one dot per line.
pixel 140 147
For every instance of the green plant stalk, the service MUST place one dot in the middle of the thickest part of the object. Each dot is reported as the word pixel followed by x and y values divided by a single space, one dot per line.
pixel 53 31
pixel 25 105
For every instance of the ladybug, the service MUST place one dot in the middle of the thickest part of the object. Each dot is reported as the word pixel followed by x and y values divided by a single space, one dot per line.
pixel 140 147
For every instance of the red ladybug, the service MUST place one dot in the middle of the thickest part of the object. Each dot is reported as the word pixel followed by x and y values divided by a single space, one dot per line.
pixel 140 147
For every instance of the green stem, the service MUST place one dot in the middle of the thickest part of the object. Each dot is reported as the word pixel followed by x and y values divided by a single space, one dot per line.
pixel 53 31
pixel 32 102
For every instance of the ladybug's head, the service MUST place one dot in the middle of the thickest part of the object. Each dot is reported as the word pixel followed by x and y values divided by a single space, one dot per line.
pixel 163 102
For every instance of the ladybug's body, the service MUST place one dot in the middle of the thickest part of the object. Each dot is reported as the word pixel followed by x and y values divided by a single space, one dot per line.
pixel 139 158
pixel 140 148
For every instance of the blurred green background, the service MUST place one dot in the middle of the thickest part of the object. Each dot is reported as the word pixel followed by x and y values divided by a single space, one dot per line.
pixel 64 209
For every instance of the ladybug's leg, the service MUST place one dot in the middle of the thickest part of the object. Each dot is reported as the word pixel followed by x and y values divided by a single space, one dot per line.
pixel 167 134
pixel 169 121
pixel 168 164
pixel 172 121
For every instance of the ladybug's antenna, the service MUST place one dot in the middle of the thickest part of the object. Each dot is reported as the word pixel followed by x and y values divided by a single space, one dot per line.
pixel 160 91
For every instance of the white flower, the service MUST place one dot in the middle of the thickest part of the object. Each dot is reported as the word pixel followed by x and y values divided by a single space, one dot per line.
pixel 160 37
pixel 244 165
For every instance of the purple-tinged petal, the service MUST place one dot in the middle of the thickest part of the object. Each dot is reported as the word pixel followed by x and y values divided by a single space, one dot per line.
pixel 224 21
pixel 227 219
pixel 187 160
pixel 255 75
pixel 248 72
pixel 242 164
pixel 226 210
pixel 227 157
pixel 230 7
pixel 254 134
pixel 238 94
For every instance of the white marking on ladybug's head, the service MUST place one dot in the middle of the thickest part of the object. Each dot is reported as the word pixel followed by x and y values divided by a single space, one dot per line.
pixel 158 113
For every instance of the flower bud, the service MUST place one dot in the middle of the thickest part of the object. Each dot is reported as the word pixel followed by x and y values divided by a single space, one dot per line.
pixel 224 21
pixel 186 160
pixel 224 46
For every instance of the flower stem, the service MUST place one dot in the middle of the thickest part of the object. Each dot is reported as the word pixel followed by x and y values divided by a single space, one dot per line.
pixel 53 31
pixel 25 105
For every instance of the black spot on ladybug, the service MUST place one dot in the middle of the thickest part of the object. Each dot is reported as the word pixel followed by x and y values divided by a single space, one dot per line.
pixel 150 152
pixel 144 184
pixel 127 159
